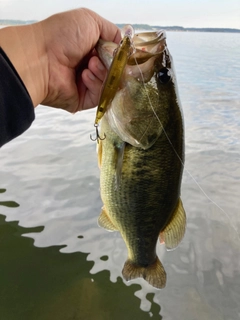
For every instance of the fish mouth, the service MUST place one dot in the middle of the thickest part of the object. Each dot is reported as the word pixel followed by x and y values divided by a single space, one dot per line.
pixel 152 42
pixel 149 38
pixel 147 47
pixel 148 42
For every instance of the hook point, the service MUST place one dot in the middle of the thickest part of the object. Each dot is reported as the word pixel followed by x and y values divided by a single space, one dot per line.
pixel 97 135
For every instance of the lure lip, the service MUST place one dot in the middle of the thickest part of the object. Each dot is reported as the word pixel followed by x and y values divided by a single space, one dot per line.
pixel 128 30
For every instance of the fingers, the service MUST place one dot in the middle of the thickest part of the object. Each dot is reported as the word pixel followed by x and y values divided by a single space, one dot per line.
pixel 92 79
pixel 93 89
pixel 108 30
pixel 97 68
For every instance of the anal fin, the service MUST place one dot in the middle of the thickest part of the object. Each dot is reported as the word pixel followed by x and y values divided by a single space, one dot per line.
pixel 174 231
pixel 154 274
pixel 105 222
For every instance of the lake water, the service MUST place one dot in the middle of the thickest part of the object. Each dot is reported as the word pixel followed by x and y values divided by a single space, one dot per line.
pixel 56 263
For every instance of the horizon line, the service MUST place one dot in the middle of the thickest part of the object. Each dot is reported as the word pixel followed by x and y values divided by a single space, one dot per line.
pixel 19 21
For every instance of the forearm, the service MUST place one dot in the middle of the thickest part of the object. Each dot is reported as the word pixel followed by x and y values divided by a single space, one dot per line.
pixel 16 108
pixel 24 47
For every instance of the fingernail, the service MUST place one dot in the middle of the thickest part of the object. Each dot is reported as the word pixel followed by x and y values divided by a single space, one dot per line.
pixel 101 66
pixel 91 76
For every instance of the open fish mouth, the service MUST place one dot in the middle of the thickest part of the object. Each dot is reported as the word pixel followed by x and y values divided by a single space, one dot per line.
pixel 146 45
pixel 149 40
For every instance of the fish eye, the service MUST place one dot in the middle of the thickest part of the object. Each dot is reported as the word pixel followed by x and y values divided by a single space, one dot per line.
pixel 164 75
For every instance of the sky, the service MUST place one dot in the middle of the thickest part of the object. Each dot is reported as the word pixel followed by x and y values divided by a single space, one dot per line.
pixel 185 13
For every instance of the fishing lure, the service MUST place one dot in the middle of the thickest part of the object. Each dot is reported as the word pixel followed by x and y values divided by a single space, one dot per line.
pixel 122 53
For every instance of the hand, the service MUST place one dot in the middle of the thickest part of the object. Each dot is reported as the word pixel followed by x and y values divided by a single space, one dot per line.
pixel 56 58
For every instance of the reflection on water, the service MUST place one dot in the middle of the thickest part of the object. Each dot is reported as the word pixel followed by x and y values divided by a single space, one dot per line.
pixel 9 204
pixel 72 270
pixel 42 283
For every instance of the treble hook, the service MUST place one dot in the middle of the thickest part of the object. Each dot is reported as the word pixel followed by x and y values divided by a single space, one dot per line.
pixel 97 134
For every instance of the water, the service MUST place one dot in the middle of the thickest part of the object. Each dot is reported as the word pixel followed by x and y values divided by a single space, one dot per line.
pixel 56 263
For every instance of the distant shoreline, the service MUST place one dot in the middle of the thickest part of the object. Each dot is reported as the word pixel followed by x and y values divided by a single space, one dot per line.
pixel 7 22
pixel 146 27
pixel 179 29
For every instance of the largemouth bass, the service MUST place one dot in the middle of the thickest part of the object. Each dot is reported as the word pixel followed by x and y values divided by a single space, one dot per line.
pixel 141 158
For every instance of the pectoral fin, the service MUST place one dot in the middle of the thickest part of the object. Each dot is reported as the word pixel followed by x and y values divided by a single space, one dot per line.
pixel 173 233
pixel 105 222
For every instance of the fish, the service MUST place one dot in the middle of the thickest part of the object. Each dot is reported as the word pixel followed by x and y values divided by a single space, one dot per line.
pixel 141 159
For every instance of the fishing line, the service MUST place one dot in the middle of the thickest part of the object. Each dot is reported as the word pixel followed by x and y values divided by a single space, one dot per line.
pixel 175 151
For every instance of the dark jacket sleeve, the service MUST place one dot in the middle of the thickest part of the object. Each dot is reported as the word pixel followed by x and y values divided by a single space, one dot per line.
pixel 16 108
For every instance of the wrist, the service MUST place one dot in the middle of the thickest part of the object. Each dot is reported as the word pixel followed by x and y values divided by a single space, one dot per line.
pixel 24 46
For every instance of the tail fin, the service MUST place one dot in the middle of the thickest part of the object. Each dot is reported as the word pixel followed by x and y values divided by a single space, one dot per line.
pixel 154 274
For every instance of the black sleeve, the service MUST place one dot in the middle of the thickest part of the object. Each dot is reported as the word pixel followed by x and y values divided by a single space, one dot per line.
pixel 16 107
